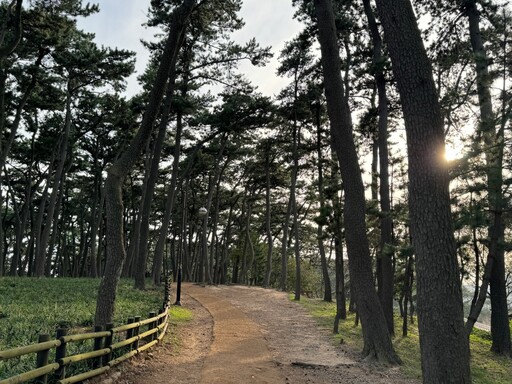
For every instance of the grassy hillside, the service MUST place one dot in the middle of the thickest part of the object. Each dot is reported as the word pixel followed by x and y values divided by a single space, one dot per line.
pixel 486 367
pixel 30 306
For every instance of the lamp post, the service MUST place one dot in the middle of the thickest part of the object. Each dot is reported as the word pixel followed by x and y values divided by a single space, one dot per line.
pixel 202 212
pixel 180 252
pixel 179 278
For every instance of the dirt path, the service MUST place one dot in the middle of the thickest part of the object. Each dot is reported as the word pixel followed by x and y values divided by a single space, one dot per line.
pixel 250 335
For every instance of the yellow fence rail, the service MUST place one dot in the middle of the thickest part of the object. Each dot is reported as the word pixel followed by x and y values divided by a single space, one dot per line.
pixel 129 342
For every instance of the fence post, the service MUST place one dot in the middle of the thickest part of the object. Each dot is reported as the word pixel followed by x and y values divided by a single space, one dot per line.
pixel 108 343
pixel 98 344
pixel 60 353
pixel 42 358
pixel 129 333
pixel 158 322
pixel 161 320
pixel 152 325
pixel 136 331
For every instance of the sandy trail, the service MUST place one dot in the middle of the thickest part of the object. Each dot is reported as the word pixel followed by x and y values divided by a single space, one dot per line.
pixel 250 335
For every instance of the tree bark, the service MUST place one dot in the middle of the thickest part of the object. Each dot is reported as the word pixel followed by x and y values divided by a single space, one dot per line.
pixel 377 340
pixel 8 48
pixel 141 261
pixel 321 199
pixel 119 170
pixel 169 204
pixel 295 213
pixel 211 188
pixel 214 255
pixel 284 247
pixel 494 146
pixel 341 306
pixel 386 221
pixel 270 243
pixel 96 217
pixel 56 187
pixel 444 347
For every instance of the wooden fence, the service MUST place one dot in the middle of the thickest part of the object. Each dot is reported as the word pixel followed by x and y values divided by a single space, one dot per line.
pixel 111 346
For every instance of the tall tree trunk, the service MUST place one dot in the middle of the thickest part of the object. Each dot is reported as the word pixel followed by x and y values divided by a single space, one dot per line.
pixel 270 243
pixel 55 228
pixel 118 171
pixel 143 248
pixel 295 210
pixel 407 293
pixel 133 244
pixel 494 146
pixel 211 188
pixel 247 265
pixel 215 222
pixel 58 178
pixel 6 48
pixel 224 256
pixel 444 346
pixel 284 247
pixel 377 341
pixel 323 213
pixel 96 218
pixel 386 222
pixel 25 214
pixel 341 306
pixel 169 203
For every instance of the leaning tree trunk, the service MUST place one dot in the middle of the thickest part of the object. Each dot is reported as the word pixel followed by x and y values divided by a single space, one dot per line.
pixel 323 213
pixel 341 305
pixel 55 225
pixel 119 170
pixel 8 46
pixel 169 205
pixel 494 144
pixel 443 343
pixel 30 186
pixel 386 222
pixel 377 340
pixel 56 186
pixel 142 255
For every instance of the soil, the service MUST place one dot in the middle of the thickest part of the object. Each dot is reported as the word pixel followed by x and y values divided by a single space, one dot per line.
pixel 244 335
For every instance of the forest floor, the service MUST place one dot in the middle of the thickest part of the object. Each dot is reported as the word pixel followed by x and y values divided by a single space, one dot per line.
pixel 249 335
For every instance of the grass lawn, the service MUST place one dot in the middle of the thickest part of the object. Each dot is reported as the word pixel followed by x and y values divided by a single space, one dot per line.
pixel 30 306
pixel 486 368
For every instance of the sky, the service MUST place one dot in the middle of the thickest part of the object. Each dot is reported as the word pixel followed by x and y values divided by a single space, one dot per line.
pixel 119 24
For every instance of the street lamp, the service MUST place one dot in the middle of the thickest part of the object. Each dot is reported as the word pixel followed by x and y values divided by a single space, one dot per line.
pixel 179 277
pixel 202 213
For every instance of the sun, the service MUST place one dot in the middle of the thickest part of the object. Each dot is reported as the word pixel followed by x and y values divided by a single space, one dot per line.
pixel 451 152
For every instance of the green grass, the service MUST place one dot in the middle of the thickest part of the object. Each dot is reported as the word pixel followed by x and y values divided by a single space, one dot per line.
pixel 178 316
pixel 486 367
pixel 30 306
